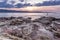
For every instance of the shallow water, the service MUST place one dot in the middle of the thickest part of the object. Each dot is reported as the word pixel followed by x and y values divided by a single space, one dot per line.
pixel 19 14
pixel 57 15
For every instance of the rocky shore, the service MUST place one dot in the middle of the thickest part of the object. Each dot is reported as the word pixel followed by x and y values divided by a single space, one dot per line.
pixel 24 28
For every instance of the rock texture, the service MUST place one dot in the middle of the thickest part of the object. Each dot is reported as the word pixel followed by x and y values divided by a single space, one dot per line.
pixel 21 28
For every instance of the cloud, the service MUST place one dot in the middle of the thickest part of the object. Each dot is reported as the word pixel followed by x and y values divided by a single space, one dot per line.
pixel 1 0
pixel 16 1
pixel 28 1
pixel 35 1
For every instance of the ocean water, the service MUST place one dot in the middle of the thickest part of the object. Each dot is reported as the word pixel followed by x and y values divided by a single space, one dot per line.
pixel 20 14
pixel 57 15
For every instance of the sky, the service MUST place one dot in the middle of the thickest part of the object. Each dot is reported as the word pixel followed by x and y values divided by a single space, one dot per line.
pixel 28 1
pixel 36 1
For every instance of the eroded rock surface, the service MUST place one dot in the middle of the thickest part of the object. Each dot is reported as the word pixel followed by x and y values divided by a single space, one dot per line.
pixel 21 28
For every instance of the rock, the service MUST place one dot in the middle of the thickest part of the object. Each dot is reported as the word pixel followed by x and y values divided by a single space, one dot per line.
pixel 45 20
pixel 16 22
pixel 27 20
pixel 57 35
pixel 43 28
pixel 55 29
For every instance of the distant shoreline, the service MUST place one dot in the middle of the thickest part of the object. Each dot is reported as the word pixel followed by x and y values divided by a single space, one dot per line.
pixel 14 11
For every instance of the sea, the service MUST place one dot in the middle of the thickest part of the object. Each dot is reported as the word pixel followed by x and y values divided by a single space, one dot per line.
pixel 57 15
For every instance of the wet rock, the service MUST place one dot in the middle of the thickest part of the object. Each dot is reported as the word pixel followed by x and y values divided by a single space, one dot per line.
pixel 57 25
pixel 45 20
pixel 35 27
pixel 16 22
pixel 55 29
pixel 27 20
pixel 57 35
pixel 44 28
pixel 14 33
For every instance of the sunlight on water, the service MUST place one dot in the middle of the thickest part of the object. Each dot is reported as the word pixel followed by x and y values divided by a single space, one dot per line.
pixel 29 14
pixel 20 14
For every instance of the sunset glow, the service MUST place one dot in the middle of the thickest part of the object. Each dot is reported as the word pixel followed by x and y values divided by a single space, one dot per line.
pixel 37 9
pixel 31 8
